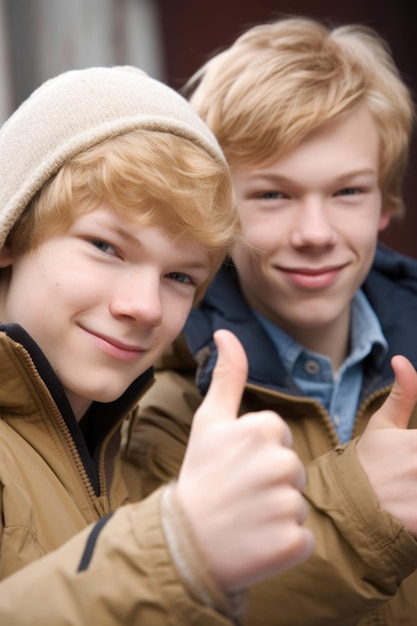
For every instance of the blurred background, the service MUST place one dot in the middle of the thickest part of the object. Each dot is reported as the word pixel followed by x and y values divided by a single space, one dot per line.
pixel 170 39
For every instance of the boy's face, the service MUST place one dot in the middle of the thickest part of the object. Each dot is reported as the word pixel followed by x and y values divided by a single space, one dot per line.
pixel 102 300
pixel 313 216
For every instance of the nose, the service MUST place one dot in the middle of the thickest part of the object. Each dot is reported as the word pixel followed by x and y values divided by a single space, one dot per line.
pixel 138 297
pixel 313 227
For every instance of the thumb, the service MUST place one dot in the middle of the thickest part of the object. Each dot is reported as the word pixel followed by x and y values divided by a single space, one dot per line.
pixel 397 408
pixel 223 398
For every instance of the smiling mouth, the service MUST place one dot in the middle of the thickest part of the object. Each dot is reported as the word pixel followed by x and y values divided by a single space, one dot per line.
pixel 114 347
pixel 309 271
pixel 121 346
pixel 312 278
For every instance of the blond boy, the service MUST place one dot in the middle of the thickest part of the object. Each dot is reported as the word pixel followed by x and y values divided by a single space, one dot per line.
pixel 115 211
pixel 315 123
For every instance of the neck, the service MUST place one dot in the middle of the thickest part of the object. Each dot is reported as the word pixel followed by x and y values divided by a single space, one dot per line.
pixel 332 342
pixel 78 404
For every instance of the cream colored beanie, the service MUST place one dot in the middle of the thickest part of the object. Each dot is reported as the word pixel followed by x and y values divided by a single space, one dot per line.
pixel 77 110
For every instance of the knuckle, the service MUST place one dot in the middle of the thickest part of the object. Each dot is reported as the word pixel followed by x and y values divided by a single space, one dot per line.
pixel 293 543
pixel 292 468
pixel 269 425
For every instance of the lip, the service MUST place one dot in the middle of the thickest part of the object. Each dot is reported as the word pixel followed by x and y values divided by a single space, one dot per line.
pixel 114 347
pixel 312 278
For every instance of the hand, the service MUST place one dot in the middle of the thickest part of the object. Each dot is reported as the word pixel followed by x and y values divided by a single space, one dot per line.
pixel 240 482
pixel 388 451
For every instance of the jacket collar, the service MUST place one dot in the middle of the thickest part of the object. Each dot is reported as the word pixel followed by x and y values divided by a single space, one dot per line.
pixel 391 288
pixel 30 381
pixel 109 410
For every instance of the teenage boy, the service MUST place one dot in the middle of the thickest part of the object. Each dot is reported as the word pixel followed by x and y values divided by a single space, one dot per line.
pixel 315 123
pixel 115 210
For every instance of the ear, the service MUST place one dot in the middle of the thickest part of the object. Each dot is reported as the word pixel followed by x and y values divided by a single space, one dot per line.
pixel 384 220
pixel 6 256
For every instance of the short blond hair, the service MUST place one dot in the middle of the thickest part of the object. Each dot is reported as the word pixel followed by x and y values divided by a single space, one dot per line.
pixel 152 178
pixel 280 80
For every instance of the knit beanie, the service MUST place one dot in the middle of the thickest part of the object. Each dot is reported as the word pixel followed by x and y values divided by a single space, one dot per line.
pixel 77 110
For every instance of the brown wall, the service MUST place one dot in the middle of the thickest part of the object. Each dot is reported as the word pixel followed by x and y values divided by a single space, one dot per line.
pixel 194 29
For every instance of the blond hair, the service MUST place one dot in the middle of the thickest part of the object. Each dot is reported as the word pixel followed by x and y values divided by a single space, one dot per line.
pixel 152 178
pixel 281 80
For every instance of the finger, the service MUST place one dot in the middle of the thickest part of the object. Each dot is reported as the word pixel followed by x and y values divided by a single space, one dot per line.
pixel 291 469
pixel 229 377
pixel 397 408
pixel 267 425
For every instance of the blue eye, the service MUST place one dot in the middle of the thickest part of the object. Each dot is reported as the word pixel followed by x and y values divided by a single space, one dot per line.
pixel 271 195
pixel 179 277
pixel 103 246
pixel 348 191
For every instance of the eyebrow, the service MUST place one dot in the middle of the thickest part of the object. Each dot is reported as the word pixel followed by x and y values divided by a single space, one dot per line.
pixel 124 233
pixel 106 223
pixel 127 236
pixel 276 176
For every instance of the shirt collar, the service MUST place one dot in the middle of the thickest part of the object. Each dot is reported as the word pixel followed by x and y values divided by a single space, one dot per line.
pixel 366 336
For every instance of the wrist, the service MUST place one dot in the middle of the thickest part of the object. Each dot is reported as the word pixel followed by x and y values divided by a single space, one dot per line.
pixel 190 561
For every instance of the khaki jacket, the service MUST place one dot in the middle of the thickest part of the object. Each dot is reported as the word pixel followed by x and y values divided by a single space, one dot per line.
pixel 364 569
pixel 70 553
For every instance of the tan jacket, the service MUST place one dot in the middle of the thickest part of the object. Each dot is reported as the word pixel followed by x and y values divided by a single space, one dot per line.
pixel 364 569
pixel 363 555
pixel 69 552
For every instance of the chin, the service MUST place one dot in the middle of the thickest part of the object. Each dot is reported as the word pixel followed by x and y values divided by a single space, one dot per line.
pixel 109 392
pixel 105 395
pixel 106 398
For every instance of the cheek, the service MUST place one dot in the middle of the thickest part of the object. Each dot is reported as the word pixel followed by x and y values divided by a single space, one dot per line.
pixel 264 231
pixel 250 265
pixel 258 241
pixel 169 330
pixel 173 320
pixel 384 221
pixel 240 253
pixel 20 300
pixel 361 228
pixel 363 242
pixel 365 235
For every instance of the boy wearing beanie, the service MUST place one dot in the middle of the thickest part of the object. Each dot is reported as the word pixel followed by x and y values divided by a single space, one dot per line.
pixel 315 123
pixel 116 208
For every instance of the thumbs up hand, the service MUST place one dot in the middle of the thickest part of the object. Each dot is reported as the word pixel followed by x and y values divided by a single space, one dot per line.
pixel 240 482
pixel 388 451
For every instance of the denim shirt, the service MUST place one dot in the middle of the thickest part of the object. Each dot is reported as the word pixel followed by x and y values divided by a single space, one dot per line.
pixel 313 373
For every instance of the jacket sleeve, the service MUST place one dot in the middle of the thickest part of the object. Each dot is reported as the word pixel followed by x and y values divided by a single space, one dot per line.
pixel 118 571
pixel 362 553
pixel 155 439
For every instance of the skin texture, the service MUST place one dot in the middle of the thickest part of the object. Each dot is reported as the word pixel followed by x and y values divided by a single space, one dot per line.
pixel 117 295
pixel 311 219
pixel 388 450
pixel 253 517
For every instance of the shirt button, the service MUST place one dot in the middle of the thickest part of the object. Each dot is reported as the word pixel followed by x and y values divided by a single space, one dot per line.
pixel 311 367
